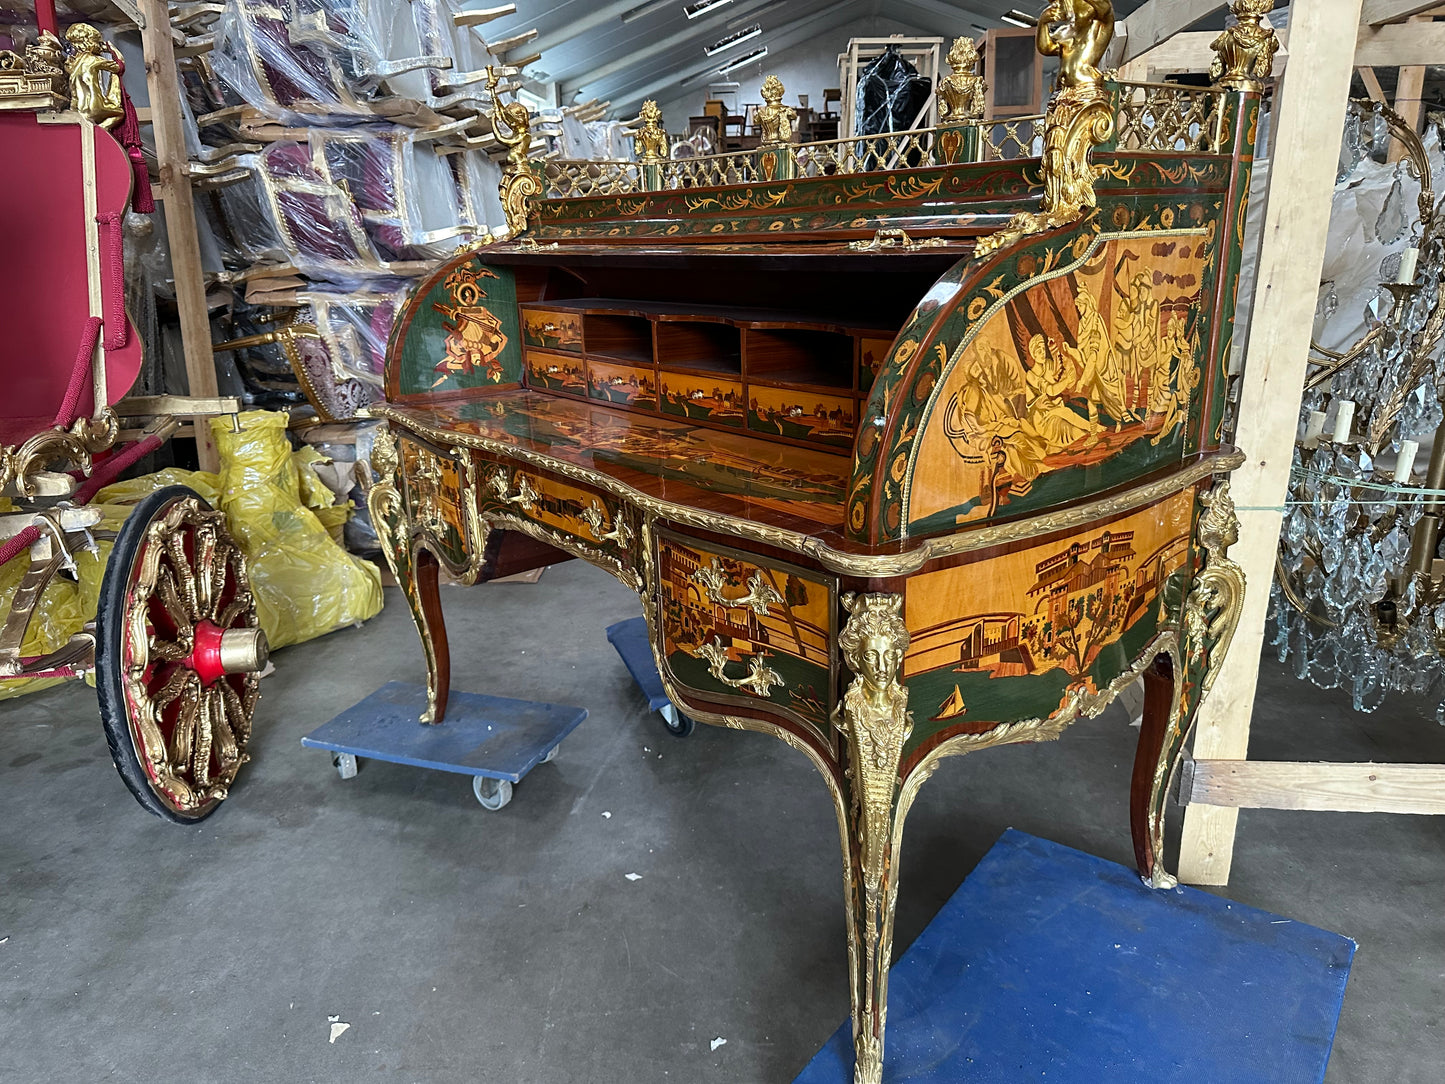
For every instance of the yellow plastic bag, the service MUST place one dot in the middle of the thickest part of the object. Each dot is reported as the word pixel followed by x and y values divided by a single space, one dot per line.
pixel 305 584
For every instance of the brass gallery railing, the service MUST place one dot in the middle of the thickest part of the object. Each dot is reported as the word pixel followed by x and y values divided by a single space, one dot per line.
pixel 1150 117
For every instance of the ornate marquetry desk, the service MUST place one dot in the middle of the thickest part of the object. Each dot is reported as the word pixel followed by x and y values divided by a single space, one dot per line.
pixel 911 445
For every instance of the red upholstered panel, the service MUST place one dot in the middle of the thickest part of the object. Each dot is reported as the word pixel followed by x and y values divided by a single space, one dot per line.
pixel 44 296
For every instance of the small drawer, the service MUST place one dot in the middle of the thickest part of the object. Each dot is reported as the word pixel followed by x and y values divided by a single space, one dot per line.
pixel 434 489
pixel 552 329
pixel 829 420
pixel 703 398
pixel 556 372
pixel 574 518
pixel 737 628
pixel 622 385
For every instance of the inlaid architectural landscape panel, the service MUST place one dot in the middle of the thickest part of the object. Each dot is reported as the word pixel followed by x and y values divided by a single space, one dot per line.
pixel 1078 378
pixel 554 329
pixel 734 625
pixel 1009 637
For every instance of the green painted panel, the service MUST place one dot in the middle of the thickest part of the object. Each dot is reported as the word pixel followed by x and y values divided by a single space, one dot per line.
pixel 460 331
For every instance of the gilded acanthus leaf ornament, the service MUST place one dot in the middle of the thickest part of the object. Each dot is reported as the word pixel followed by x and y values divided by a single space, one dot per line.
pixel 1080 117
pixel 961 93
pixel 875 719
pixel 1244 52
pixel 1211 612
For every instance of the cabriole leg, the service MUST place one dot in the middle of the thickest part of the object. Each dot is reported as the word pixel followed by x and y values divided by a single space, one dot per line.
pixel 1153 767
pixel 875 722
pixel 1172 698
pixel 416 571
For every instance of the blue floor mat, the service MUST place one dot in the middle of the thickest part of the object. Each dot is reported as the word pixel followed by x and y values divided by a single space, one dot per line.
pixel 1052 965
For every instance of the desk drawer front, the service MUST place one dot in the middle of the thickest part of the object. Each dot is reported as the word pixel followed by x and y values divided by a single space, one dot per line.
pixel 552 329
pixel 434 489
pixel 754 631
pixel 556 372
pixel 576 518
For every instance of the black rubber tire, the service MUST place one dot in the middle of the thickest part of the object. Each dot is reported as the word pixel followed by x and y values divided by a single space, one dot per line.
pixel 110 651
pixel 684 726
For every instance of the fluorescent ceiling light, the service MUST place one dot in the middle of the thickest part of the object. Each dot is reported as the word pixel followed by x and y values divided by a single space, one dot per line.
pixel 1016 17
pixel 723 44
pixel 742 61
pixel 702 7
pixel 645 9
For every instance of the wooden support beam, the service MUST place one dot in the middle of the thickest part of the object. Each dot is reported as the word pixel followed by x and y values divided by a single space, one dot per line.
pixel 1412 43
pixel 1375 12
pixel 1372 84
pixel 163 82
pixel 1309 115
pixel 1343 788
pixel 1189 52
pixel 1159 20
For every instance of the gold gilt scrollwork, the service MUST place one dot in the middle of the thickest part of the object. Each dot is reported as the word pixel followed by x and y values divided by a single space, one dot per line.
pixel 874 717
pixel 84 438
pixel 961 93
pixel 1211 614
pixel 1244 53
pixel 1080 117
pixel 397 535
pixel 761 677
pixel 595 517
pixel 512 125
pixel 759 597
pixel 1216 599
pixel 500 483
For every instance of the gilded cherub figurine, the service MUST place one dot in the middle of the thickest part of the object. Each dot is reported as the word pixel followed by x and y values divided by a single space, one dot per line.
pixel 518 123
pixel 1077 32
pixel 961 94
pixel 95 90
pixel 775 120
pixel 1244 53
pixel 651 140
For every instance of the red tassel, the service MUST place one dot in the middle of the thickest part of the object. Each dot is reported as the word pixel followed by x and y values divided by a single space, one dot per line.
pixel 142 202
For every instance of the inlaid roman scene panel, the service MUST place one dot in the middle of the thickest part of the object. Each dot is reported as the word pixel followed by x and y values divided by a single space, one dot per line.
pixel 1018 634
pixel 1082 375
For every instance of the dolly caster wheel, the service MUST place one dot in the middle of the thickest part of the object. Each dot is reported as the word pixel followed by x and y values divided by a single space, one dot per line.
pixel 678 724
pixel 345 764
pixel 492 793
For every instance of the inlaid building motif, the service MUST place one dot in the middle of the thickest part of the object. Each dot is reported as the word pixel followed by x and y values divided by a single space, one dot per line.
pixel 1046 610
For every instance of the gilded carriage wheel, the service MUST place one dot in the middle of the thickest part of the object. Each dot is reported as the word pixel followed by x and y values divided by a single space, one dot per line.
pixel 178 655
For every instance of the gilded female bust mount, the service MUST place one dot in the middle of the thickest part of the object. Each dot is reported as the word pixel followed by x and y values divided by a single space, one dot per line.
pixel 775 120
pixel 961 94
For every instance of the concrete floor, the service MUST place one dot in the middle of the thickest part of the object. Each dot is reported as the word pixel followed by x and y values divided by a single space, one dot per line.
pixel 462 945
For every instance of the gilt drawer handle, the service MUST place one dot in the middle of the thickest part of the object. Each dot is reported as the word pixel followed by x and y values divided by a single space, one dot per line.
pixel 761 677
pixel 594 516
pixel 524 498
pixel 760 594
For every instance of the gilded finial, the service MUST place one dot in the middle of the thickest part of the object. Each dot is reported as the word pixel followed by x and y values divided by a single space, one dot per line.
pixel 651 140
pixel 95 90
pixel 961 94
pixel 1244 52
pixel 775 120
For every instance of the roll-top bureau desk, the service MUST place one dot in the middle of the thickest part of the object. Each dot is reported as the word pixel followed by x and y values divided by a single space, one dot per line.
pixel 910 444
